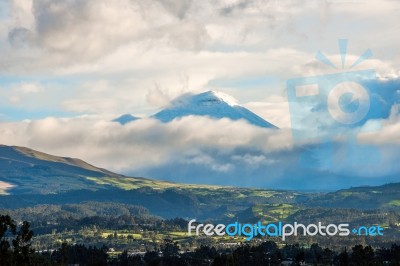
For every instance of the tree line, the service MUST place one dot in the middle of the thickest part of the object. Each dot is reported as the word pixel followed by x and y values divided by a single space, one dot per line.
pixel 15 249
pixel 267 253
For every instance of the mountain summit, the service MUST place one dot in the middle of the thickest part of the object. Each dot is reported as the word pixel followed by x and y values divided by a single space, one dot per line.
pixel 213 104
pixel 125 119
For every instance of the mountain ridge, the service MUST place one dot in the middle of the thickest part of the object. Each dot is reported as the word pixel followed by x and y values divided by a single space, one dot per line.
pixel 29 171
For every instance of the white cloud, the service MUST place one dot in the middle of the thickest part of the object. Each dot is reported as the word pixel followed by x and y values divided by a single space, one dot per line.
pixel 67 33
pixel 388 132
pixel 141 143
pixel 274 109
pixel 198 146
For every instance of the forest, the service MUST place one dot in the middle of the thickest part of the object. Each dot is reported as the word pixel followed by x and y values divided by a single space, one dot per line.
pixel 16 249
pixel 106 233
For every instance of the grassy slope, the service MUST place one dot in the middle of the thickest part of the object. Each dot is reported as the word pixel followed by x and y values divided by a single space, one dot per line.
pixel 33 172
pixel 36 172
pixel 385 196
pixel 30 171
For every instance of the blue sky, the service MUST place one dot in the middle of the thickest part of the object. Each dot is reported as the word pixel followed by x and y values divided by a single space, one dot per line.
pixel 72 66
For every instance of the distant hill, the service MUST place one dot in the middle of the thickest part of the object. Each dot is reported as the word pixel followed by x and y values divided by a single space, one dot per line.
pixel 29 177
pixel 125 119
pixel 213 104
pixel 385 196
pixel 26 171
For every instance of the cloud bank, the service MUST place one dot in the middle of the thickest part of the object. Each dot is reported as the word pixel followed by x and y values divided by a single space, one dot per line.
pixel 201 150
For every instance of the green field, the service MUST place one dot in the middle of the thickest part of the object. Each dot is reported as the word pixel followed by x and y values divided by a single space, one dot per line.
pixel 274 212
pixel 395 203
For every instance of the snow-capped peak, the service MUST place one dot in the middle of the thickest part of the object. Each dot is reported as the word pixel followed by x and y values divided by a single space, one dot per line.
pixel 204 98
pixel 213 104
pixel 222 97
pixel 125 119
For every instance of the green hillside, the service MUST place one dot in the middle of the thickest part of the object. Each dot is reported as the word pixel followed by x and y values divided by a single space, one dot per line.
pixel 386 196
pixel 29 177
pixel 26 171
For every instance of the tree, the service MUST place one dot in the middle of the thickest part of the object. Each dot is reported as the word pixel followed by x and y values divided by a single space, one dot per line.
pixel 151 258
pixel 22 244
pixel 125 260
pixel 362 256
pixel 314 254
pixel 170 248
pixel 170 251
pixel 63 258
pixel 7 225
pixel 343 258
pixel 300 257
pixel 327 256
